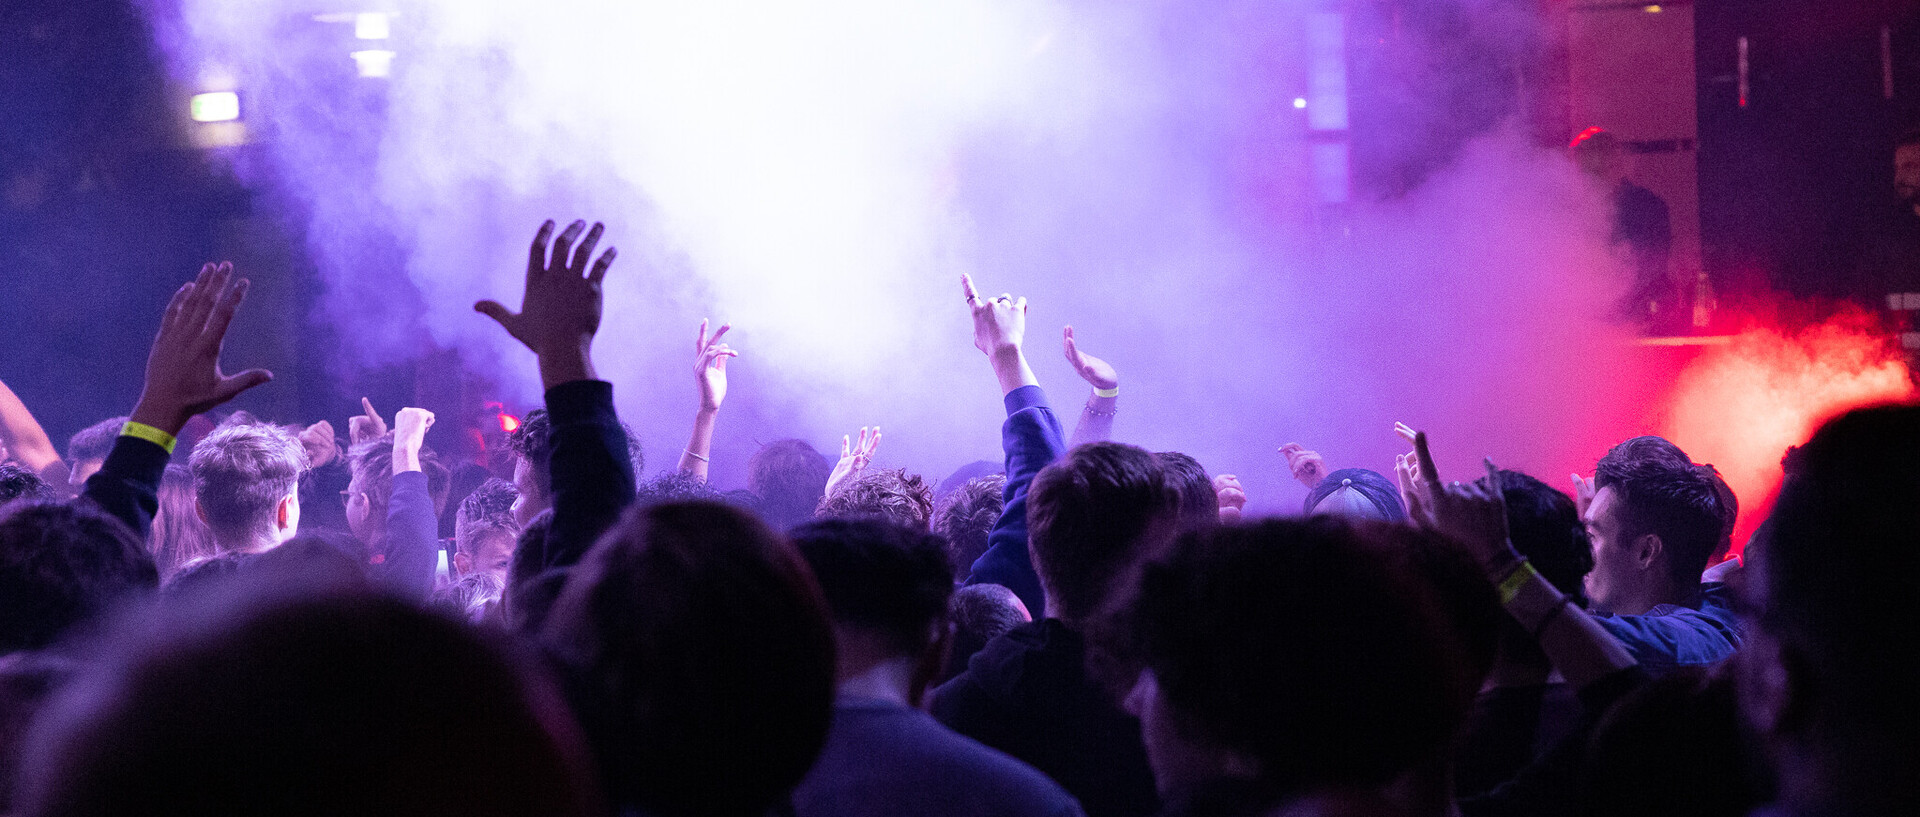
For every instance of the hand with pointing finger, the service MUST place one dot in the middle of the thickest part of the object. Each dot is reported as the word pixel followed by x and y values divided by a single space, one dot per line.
pixel 999 329
pixel 365 426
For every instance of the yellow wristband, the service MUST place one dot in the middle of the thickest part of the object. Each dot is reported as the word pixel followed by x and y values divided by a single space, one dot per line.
pixel 150 434
pixel 1113 392
pixel 1510 587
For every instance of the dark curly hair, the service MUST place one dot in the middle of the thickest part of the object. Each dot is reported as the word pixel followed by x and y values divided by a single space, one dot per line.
pixel 965 516
pixel 892 493
pixel 534 441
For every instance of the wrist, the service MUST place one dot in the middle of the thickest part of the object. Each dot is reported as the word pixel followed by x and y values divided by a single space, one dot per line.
pixel 566 367
pixel 160 414
pixel 706 412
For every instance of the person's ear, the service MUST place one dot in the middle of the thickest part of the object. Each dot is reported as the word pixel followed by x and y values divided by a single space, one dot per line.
pixel 462 563
pixel 287 515
pixel 200 510
pixel 1647 550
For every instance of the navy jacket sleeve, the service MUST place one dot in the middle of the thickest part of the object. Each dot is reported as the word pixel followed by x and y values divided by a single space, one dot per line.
pixel 1670 636
pixel 1032 440
pixel 127 486
pixel 593 477
pixel 412 546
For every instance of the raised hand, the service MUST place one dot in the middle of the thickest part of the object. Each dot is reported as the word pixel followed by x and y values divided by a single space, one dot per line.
pixel 1583 492
pixel 1473 514
pixel 1232 497
pixel 1098 373
pixel 365 426
pixel 855 456
pixel 183 367
pixel 320 445
pixel 561 306
pixel 999 329
pixel 710 366
pixel 409 436
pixel 1308 466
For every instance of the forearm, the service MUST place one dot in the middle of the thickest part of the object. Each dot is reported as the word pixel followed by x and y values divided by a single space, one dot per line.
pixel 127 485
pixel 1096 420
pixel 23 434
pixel 1010 367
pixel 412 540
pixel 406 457
pixel 593 478
pixel 1578 646
pixel 695 458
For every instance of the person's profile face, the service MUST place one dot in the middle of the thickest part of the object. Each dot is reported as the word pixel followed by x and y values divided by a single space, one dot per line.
pixel 1613 566
pixel 529 500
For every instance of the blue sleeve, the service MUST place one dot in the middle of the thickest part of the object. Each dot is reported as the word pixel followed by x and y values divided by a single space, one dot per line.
pixel 1032 440
pixel 592 473
pixel 127 486
pixel 413 543
pixel 1681 637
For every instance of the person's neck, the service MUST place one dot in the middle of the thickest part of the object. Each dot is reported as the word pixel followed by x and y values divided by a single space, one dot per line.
pixel 255 542
pixel 888 680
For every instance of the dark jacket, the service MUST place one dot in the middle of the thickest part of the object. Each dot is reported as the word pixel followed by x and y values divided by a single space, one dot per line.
pixel 883 758
pixel 1028 694
pixel 1032 440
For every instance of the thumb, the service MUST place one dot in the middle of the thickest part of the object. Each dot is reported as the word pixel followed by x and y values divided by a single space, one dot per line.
pixel 500 314
pixel 232 385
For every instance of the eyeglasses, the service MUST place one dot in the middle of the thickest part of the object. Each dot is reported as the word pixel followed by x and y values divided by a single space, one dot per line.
pixel 346 498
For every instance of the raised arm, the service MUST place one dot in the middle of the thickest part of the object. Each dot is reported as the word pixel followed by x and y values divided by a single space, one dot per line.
pixel 1096 417
pixel 183 379
pixel 1031 438
pixel 22 434
pixel 854 458
pixel 710 374
pixel 1475 515
pixel 560 311
pixel 412 531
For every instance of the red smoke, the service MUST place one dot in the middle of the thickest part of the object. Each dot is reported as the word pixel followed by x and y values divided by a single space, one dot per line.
pixel 1739 406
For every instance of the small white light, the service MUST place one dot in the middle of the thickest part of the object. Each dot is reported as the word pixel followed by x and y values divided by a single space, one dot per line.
pixel 218 106
pixel 372 25
pixel 373 63
pixel 1300 102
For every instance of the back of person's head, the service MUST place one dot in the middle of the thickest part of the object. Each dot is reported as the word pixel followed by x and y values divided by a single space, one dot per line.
pixel 475 598
pixel 95 441
pixel 1832 579
pixel 1690 713
pixel 675 486
pixel 977 614
pixel 880 578
pixel 1091 517
pixel 1234 625
pixel 1677 502
pixel 1661 450
pixel 702 656
pixel 20 483
pixel 179 537
pixel 242 472
pixel 488 509
pixel 1357 493
pixel 1640 449
pixel 1199 505
pixel 891 493
pixel 1544 525
pixel 533 441
pixel 966 515
pixel 789 476
pixel 271 700
pixel 372 465
pixel 62 565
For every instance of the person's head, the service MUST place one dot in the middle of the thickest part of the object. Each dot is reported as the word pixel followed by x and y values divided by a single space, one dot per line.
pixel 1247 675
pixel 179 537
pixel 1357 493
pixel 1545 527
pixel 977 614
pixel 1199 505
pixel 62 565
pixel 891 493
pixel 1826 674
pixel 1600 155
pixel 675 486
pixel 1091 517
pixel 887 587
pixel 246 484
pixel 1663 451
pixel 484 532
pixel 1652 525
pixel 532 444
pixel 20 483
pixel 87 449
pixel 249 701
pixel 370 492
pixel 1906 169
pixel 698 638
pixel 789 476
pixel 966 515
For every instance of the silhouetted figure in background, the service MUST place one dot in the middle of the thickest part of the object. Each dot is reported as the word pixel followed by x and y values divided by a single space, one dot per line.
pixel 1643 229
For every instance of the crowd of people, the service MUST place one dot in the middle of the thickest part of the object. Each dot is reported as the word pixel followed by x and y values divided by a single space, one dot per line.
pixel 1086 628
